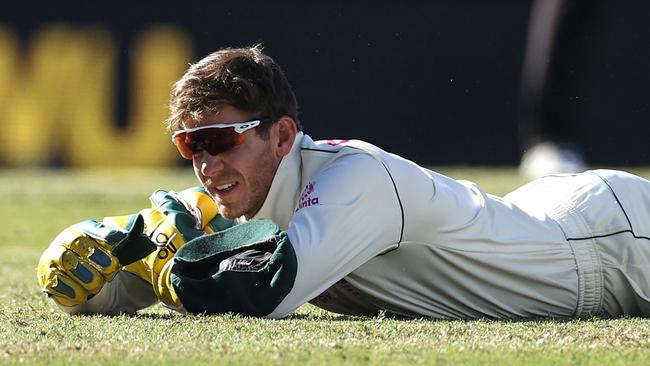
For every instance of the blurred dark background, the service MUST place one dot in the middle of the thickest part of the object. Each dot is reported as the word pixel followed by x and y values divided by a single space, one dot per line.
pixel 436 82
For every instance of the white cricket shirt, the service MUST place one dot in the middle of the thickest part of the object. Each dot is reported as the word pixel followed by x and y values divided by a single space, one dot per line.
pixel 373 231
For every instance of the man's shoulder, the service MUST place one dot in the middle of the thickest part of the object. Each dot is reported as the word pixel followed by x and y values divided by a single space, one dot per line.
pixel 343 154
pixel 334 146
pixel 334 150
pixel 346 176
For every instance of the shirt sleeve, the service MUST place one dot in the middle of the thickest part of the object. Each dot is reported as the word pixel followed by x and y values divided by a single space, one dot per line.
pixel 126 293
pixel 347 214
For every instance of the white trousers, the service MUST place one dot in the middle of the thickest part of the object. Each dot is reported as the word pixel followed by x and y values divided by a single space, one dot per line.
pixel 605 216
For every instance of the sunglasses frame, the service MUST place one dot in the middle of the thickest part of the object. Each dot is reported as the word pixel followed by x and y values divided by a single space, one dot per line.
pixel 239 127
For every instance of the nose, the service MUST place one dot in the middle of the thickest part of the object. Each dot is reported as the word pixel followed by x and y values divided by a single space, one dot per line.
pixel 209 165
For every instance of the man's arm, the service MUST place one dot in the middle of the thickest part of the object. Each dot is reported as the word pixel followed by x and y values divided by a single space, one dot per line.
pixel 83 273
pixel 125 294
pixel 258 269
pixel 358 216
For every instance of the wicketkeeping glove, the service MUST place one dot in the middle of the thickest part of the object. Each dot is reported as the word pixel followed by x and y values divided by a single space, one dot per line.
pixel 173 219
pixel 88 254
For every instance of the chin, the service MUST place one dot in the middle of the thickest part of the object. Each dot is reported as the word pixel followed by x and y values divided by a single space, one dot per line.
pixel 228 212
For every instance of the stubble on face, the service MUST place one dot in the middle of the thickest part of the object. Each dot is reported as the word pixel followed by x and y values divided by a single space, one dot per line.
pixel 259 183
pixel 254 182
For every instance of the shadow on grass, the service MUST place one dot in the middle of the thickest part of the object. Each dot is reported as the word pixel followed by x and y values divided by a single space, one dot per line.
pixel 334 317
pixel 150 316
pixel 396 317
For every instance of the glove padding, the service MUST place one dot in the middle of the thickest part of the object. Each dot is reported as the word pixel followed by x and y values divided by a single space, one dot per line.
pixel 82 258
pixel 173 219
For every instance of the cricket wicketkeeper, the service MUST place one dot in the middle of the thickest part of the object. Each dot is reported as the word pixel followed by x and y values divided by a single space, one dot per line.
pixel 282 220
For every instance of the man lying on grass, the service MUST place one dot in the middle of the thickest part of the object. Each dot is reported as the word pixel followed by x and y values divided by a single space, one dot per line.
pixel 282 220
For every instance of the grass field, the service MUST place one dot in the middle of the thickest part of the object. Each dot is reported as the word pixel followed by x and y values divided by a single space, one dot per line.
pixel 38 204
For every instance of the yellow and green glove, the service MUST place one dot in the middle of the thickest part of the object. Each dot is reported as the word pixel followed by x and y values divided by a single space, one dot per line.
pixel 173 219
pixel 88 254
pixel 82 258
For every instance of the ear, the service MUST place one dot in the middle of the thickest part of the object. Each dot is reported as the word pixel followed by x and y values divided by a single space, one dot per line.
pixel 283 133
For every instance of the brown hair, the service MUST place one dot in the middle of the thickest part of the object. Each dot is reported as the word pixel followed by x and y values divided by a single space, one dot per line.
pixel 245 78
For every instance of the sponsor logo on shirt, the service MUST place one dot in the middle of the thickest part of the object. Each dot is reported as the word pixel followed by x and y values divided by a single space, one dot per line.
pixel 336 142
pixel 308 197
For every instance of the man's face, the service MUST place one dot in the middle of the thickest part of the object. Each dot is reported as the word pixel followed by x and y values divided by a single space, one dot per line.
pixel 238 179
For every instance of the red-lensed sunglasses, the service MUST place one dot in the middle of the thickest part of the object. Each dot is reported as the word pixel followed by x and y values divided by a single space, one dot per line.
pixel 215 139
